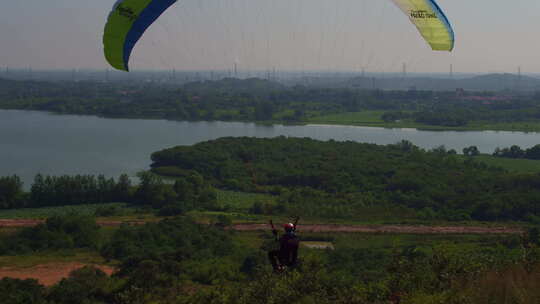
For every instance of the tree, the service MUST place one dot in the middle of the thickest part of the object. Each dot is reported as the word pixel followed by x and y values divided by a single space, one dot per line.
pixel 223 221
pixel 15 291
pixel 56 233
pixel 264 111
pixel 84 285
pixel 406 146
pixel 533 153
pixel 11 193
pixel 122 190
pixel 37 192
pixel 208 199
pixel 440 150
pixel 150 190
pixel 471 151
pixel 517 152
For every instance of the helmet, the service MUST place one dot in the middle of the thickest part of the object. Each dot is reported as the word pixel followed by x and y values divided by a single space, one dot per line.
pixel 288 226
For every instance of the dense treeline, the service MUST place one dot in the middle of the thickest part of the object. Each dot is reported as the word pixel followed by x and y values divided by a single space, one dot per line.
pixel 340 179
pixel 79 189
pixel 262 100
pixel 63 190
pixel 516 152
pixel 187 193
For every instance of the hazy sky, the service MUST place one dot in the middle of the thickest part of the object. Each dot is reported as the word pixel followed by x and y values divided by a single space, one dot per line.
pixel 491 36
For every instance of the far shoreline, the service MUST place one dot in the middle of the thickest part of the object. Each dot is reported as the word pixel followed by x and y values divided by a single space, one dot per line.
pixel 522 127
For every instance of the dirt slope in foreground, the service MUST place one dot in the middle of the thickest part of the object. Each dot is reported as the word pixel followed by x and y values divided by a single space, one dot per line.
pixel 47 274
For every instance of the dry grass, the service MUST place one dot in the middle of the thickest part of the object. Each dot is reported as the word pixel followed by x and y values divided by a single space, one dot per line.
pixel 513 285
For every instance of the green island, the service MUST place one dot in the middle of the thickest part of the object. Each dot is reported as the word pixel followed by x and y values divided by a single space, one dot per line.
pixel 268 102
pixel 195 228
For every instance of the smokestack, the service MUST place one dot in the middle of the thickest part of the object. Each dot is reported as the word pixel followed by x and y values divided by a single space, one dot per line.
pixel 519 78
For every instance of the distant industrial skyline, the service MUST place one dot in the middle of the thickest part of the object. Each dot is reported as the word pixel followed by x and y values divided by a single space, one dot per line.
pixel 353 35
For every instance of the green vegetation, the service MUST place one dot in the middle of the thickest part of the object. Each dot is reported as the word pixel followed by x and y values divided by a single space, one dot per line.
pixel 342 180
pixel 512 165
pixel 56 233
pixel 75 193
pixel 524 126
pixel 179 261
pixel 516 152
pixel 63 190
pixel 269 102
pixel 192 256
pixel 244 201
pixel 85 210
pixel 513 159
pixel 32 259
pixel 364 118
pixel 79 189
pixel 16 291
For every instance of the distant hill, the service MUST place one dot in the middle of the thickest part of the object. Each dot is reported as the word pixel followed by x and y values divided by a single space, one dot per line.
pixel 488 82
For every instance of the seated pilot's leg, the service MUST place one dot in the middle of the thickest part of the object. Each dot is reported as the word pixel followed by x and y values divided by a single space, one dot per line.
pixel 273 256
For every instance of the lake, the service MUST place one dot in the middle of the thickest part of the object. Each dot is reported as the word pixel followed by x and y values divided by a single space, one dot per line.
pixel 38 142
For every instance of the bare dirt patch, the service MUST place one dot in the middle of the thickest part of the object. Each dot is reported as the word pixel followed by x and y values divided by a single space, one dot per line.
pixel 317 245
pixel 20 222
pixel 47 274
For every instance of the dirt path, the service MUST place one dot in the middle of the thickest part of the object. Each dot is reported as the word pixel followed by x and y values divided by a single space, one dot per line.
pixel 322 227
pixel 20 223
pixel 47 274
pixel 391 229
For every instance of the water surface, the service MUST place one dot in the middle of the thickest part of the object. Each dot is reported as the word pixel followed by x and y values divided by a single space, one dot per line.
pixel 37 142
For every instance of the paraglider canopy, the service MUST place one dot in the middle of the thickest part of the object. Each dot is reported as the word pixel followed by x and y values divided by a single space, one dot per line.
pixel 430 21
pixel 127 22
pixel 129 19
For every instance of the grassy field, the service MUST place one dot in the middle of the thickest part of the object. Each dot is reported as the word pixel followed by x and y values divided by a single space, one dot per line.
pixel 242 200
pixel 376 242
pixel 395 217
pixel 368 118
pixel 373 119
pixel 507 126
pixel 235 217
pixel 510 164
pixel 381 219
pixel 366 241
